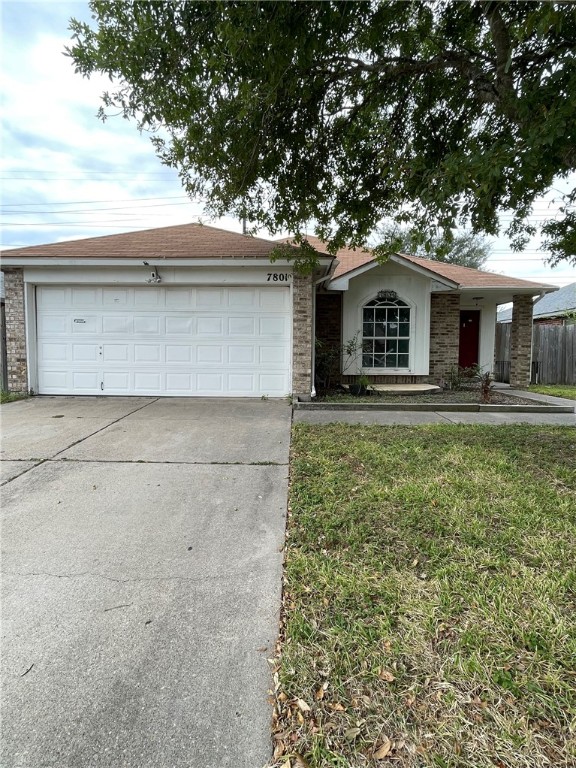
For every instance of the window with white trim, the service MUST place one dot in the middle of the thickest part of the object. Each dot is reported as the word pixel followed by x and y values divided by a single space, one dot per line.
pixel 386 334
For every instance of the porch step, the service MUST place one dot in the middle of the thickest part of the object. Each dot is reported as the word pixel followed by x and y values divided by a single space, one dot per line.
pixel 406 389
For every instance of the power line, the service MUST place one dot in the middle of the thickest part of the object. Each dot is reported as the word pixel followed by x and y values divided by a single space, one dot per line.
pixel 94 210
pixel 90 202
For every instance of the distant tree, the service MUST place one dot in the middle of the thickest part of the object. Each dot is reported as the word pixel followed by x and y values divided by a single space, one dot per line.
pixel 440 114
pixel 464 248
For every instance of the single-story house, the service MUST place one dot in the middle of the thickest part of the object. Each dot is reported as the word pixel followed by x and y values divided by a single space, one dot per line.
pixel 196 310
pixel 557 308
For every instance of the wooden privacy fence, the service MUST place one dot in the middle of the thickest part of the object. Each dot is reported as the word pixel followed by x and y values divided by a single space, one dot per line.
pixel 553 353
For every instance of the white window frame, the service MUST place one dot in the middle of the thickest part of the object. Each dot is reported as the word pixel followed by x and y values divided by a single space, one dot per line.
pixel 383 371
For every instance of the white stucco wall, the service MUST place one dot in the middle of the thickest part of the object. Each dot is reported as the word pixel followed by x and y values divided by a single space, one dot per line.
pixel 412 288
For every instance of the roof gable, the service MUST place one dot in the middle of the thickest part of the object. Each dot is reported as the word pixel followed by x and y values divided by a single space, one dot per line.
pixel 351 259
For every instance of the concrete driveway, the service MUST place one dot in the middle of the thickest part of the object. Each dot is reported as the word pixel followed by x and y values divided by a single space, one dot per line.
pixel 142 552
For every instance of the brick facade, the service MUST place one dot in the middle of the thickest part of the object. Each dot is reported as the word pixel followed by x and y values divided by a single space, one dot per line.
pixel 302 335
pixel 16 365
pixel 521 341
pixel 329 318
pixel 444 335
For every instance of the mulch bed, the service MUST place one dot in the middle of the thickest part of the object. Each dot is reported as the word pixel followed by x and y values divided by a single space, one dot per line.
pixel 468 396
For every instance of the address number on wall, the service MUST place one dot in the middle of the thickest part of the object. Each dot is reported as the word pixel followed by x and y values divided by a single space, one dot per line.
pixel 278 277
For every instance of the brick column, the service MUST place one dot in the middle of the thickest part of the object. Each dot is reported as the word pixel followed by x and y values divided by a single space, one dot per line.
pixel 521 341
pixel 444 335
pixel 302 335
pixel 16 366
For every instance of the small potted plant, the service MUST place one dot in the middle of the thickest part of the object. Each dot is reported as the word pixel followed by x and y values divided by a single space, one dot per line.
pixel 360 387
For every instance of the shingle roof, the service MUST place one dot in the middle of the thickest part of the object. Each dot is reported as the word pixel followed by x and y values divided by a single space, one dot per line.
pixel 184 241
pixel 551 305
pixel 350 259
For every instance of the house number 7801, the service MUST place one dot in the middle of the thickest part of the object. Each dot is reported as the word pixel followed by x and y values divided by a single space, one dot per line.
pixel 278 277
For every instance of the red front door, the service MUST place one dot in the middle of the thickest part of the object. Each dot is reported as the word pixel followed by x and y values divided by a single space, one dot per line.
pixel 469 338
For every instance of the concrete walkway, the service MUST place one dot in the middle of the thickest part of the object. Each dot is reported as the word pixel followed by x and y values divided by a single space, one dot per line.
pixel 431 417
pixel 447 417
pixel 141 580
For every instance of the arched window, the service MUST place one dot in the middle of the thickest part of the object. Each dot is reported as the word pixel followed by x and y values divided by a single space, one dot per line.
pixel 386 334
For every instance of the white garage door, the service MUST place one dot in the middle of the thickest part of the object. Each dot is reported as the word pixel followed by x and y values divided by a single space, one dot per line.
pixel 158 340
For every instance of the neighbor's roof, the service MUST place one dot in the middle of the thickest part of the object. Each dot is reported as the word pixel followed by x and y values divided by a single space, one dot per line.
pixel 551 305
pixel 184 241
pixel 350 259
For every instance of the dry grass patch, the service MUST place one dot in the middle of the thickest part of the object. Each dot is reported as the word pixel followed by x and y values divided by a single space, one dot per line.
pixel 429 598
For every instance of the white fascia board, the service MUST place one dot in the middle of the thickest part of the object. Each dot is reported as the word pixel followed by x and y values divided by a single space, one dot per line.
pixel 6 261
pixel 535 290
pixel 342 283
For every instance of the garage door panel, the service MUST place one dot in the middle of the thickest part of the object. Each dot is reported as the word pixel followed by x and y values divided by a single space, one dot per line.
pixel 272 326
pixel 179 353
pixel 115 297
pixel 273 355
pixel 86 381
pixel 147 381
pixel 146 324
pixel 54 325
pixel 145 297
pixel 55 352
pixel 243 355
pixel 209 354
pixel 162 342
pixel 275 299
pixel 210 383
pixel 86 325
pixel 83 353
pixel 243 298
pixel 147 353
pixel 112 353
pixel 209 326
pixel 242 383
pixel 178 298
pixel 119 325
pixel 270 382
pixel 116 382
pixel 210 298
pixel 56 380
pixel 86 297
pixel 180 325
pixel 180 383
pixel 53 297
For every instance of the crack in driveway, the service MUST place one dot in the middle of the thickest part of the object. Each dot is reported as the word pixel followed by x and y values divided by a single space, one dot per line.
pixel 89 574
pixel 76 442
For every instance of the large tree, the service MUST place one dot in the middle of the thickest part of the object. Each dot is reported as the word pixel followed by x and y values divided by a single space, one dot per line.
pixel 464 248
pixel 345 113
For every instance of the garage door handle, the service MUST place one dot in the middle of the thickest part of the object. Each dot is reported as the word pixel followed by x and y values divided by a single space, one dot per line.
pixel 102 386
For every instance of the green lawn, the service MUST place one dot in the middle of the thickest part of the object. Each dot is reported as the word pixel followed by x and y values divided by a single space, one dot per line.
pixel 556 390
pixel 429 605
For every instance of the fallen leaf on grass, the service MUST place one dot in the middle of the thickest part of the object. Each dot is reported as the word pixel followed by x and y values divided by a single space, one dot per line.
pixel 302 706
pixel 351 733
pixel 279 749
pixel 383 750
pixel 337 707
pixel 385 675
pixel 320 693
pixel 299 762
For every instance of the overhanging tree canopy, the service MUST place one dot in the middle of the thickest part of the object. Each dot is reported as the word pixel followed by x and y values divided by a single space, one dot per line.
pixel 437 113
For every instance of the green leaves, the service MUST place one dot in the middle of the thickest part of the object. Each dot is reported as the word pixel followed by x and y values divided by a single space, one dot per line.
pixel 348 113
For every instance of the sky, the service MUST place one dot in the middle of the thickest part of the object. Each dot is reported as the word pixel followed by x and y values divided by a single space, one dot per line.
pixel 66 175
